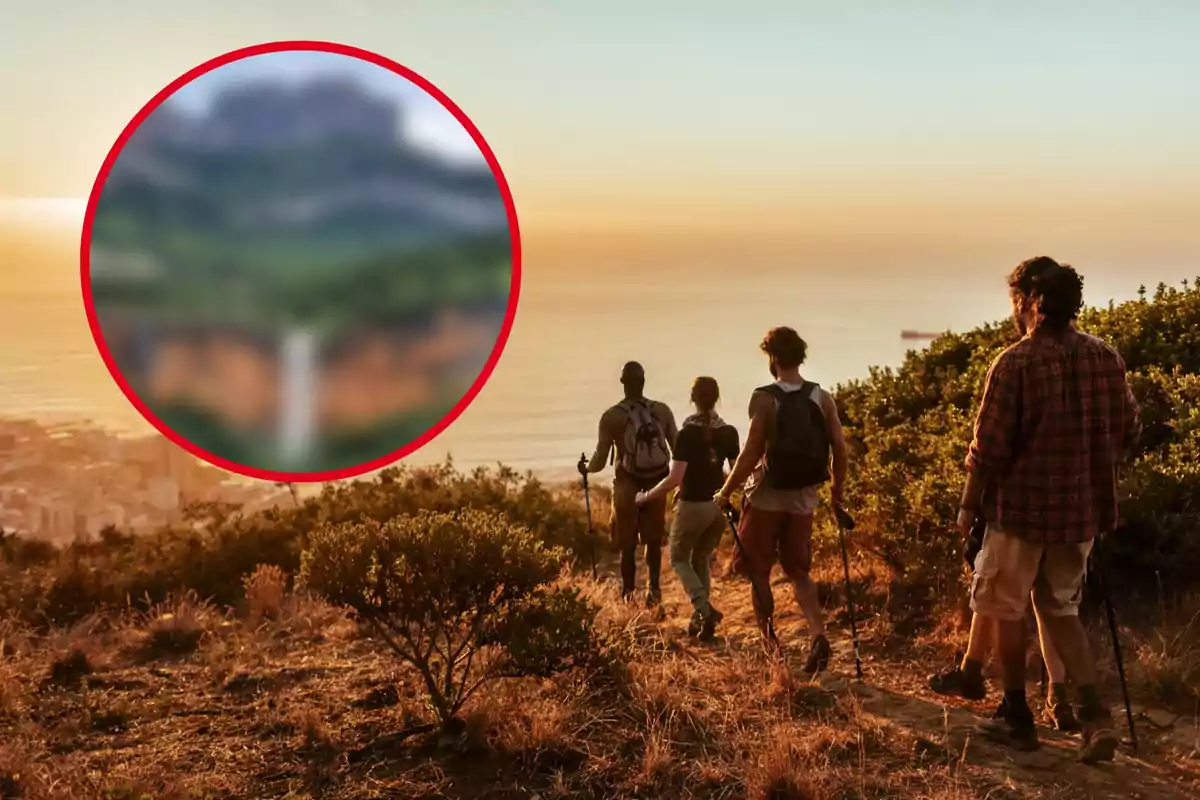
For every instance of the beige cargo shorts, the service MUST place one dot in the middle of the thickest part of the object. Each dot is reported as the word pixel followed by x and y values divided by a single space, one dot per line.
pixel 1009 569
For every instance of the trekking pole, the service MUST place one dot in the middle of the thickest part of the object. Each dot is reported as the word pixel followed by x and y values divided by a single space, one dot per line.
pixel 846 523
pixel 753 583
pixel 1112 629
pixel 587 503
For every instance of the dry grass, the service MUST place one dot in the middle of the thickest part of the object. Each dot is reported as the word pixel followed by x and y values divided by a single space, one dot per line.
pixel 265 589
pixel 295 703
pixel 1166 663
pixel 175 628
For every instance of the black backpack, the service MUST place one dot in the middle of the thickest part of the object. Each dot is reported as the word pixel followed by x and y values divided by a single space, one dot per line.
pixel 798 452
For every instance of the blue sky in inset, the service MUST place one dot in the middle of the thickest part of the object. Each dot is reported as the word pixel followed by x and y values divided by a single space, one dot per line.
pixel 427 121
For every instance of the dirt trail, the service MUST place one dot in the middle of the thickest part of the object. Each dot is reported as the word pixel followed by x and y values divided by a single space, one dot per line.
pixel 895 692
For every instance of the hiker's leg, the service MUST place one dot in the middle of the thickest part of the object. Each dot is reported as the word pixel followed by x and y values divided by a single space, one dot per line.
pixel 1056 670
pixel 1058 702
pixel 758 532
pixel 795 556
pixel 1005 571
pixel 966 679
pixel 1057 597
pixel 706 545
pixel 624 528
pixel 686 528
pixel 652 525
pixel 981 640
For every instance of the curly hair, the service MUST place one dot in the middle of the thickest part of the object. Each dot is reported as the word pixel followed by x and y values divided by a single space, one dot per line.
pixel 705 393
pixel 1056 288
pixel 785 346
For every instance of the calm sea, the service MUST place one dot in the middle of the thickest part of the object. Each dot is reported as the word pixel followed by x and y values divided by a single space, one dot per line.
pixel 559 371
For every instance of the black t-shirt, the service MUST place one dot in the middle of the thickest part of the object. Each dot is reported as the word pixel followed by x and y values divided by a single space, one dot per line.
pixel 705 474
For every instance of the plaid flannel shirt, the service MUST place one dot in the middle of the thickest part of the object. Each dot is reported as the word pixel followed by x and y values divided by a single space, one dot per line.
pixel 1056 421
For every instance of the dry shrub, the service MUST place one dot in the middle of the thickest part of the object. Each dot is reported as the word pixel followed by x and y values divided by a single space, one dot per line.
pixel 265 589
pixel 464 598
pixel 12 693
pixel 20 774
pixel 783 769
pixel 68 671
pixel 658 763
pixel 15 639
pixel 176 627
pixel 1167 664
pixel 313 731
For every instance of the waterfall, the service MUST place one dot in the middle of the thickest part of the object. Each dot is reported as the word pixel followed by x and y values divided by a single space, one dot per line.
pixel 297 402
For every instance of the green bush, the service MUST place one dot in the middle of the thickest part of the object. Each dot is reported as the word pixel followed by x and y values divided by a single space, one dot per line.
pixel 217 545
pixel 464 598
pixel 911 427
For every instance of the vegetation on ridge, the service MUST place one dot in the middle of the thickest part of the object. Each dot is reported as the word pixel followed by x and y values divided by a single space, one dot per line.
pixel 252 642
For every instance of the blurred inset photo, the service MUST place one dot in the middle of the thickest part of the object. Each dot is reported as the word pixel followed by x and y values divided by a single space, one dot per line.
pixel 301 262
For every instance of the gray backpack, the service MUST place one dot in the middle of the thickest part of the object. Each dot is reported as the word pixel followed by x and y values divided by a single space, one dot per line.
pixel 645 443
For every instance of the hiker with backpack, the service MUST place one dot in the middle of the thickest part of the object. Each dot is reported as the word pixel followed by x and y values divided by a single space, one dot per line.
pixel 705 443
pixel 794 431
pixel 1056 421
pixel 638 435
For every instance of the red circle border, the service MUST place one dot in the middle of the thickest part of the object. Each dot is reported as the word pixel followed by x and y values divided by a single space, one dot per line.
pixel 514 236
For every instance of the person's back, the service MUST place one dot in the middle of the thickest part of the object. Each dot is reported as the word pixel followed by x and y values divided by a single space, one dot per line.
pixel 639 435
pixel 796 461
pixel 706 443
pixel 1071 427
pixel 794 433
pixel 1055 422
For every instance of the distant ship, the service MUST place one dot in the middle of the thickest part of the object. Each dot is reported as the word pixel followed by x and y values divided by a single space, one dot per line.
pixel 918 335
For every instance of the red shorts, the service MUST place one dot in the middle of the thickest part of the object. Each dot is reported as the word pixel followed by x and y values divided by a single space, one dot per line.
pixel 768 536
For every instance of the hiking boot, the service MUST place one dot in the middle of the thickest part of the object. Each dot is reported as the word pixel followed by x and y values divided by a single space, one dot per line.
pixel 1099 738
pixel 695 624
pixel 958 683
pixel 1060 713
pixel 1012 726
pixel 818 656
pixel 708 631
pixel 653 598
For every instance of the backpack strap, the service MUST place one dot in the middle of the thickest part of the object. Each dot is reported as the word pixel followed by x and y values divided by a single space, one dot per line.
pixel 773 389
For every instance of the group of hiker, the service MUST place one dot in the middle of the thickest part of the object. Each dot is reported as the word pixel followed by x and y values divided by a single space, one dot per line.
pixel 1056 421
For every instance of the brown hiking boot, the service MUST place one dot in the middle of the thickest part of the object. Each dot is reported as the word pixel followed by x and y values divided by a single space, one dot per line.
pixel 1061 715
pixel 1100 739
pixel 956 682
pixel 818 656
pixel 708 630
pixel 1012 726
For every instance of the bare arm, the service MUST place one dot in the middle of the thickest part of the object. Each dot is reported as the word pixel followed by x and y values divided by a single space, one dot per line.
pixel 674 478
pixel 837 443
pixel 669 426
pixel 761 406
pixel 605 439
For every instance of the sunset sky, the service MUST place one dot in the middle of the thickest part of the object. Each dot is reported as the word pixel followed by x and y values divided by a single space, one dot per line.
pixel 937 129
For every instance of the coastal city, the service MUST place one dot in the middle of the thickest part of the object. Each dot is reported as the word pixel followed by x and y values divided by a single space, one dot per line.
pixel 64 481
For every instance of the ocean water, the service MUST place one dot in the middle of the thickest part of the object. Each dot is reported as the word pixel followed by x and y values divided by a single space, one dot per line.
pixel 574 330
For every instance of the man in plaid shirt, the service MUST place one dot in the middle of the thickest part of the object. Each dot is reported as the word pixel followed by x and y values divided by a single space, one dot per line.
pixel 1056 421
